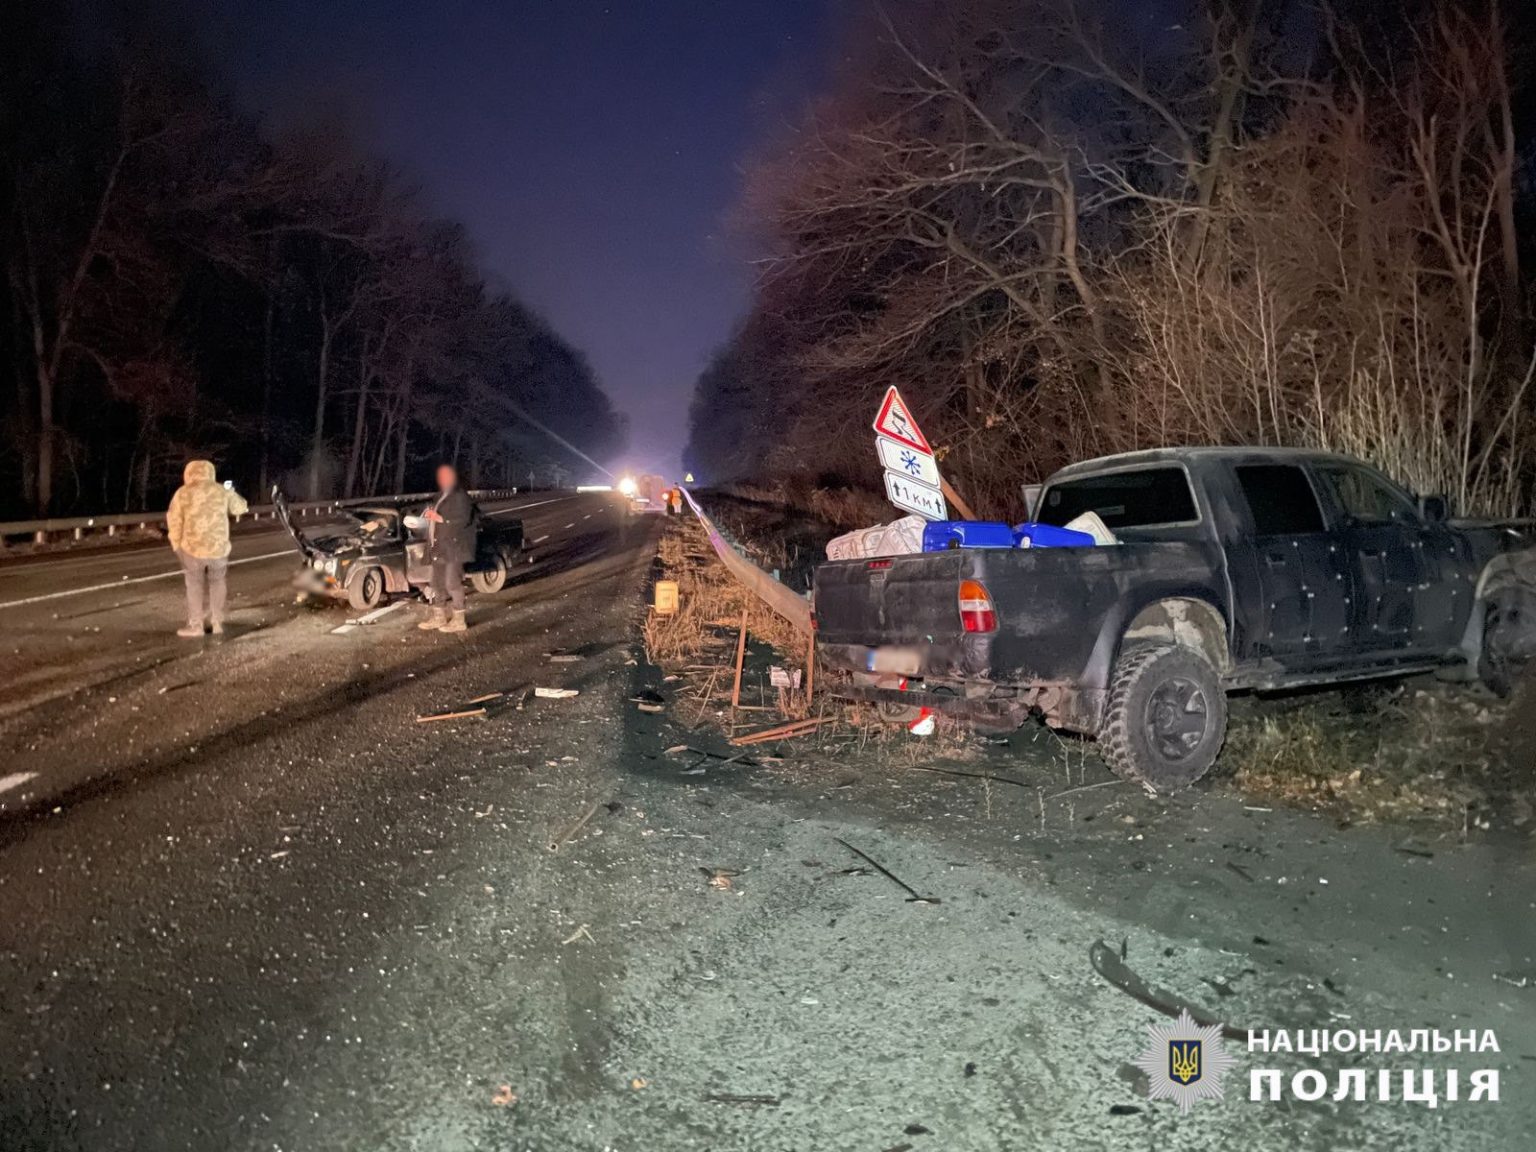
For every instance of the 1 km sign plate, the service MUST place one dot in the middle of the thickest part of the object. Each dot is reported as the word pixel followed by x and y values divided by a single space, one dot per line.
pixel 925 501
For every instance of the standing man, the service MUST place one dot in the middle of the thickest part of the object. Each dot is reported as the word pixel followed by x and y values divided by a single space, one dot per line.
pixel 197 524
pixel 450 546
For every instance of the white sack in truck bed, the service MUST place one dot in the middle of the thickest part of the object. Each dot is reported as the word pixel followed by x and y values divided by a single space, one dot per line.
pixel 894 539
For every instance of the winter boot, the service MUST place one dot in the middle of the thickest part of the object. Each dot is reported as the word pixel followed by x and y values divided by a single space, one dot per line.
pixel 191 631
pixel 457 624
pixel 436 618
pixel 217 627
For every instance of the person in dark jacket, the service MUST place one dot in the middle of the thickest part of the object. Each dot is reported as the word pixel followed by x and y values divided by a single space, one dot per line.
pixel 450 545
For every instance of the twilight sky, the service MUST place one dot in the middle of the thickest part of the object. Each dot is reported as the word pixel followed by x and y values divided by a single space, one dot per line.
pixel 591 148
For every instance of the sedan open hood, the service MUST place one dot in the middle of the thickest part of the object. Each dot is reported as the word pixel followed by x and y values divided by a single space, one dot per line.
pixel 280 504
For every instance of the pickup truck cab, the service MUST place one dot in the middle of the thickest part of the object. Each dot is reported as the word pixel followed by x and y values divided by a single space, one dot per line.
pixel 1234 569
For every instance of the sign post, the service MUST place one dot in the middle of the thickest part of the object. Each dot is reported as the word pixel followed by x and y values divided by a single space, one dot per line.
pixel 912 478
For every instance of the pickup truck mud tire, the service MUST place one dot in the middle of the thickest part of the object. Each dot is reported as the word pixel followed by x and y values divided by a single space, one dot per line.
pixel 366 590
pixel 493 578
pixel 1166 718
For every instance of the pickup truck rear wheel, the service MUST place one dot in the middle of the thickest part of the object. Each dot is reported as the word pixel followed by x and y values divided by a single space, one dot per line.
pixel 1166 718
pixel 492 578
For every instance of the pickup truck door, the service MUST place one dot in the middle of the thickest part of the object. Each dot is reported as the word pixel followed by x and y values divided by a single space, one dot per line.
pixel 1383 538
pixel 1292 589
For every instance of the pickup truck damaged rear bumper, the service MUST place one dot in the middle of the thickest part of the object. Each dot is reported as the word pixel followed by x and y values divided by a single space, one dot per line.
pixel 1061 703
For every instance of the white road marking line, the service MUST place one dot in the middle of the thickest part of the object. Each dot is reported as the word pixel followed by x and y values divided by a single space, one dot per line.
pixel 541 539
pixel 572 524
pixel 134 580
pixel 535 504
pixel 15 780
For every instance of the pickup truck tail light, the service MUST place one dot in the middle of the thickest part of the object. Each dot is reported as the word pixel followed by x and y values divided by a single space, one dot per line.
pixel 976 611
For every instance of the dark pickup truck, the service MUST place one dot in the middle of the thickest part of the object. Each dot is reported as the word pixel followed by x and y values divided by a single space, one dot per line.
pixel 1234 569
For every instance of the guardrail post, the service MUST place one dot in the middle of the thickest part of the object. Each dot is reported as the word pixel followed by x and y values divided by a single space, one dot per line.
pixel 40 537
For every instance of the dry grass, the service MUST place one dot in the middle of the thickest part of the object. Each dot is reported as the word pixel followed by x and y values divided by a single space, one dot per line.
pixel 1440 754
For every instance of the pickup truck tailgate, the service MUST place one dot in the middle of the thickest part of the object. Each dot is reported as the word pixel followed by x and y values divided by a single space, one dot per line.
pixel 897 599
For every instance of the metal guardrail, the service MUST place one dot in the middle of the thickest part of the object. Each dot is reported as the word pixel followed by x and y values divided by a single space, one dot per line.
pixel 77 526
pixel 783 600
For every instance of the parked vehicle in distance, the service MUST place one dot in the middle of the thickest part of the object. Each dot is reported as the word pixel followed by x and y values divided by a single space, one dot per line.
pixel 384 553
pixel 1235 568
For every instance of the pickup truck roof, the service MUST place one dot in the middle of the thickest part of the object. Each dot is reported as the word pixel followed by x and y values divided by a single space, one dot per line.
pixel 1179 455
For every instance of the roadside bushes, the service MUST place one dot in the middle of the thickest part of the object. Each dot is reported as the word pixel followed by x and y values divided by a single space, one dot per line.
pixel 1062 240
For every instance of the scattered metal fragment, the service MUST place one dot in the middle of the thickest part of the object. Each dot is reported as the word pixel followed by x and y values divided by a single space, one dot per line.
pixel 913 896
pixel 1114 970
pixel 566 836
pixel 581 933
pixel 738 1098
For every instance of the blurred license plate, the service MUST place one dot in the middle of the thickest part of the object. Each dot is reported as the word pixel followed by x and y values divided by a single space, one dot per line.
pixel 901 661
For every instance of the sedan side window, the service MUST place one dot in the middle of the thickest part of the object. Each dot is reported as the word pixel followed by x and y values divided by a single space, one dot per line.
pixel 1366 498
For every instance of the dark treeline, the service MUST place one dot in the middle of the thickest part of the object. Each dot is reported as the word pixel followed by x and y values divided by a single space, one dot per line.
pixel 1072 227
pixel 179 283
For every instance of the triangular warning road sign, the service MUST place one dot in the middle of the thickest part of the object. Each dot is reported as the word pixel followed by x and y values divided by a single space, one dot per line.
pixel 895 420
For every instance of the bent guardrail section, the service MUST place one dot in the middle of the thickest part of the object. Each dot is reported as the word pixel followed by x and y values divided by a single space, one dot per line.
pixel 784 601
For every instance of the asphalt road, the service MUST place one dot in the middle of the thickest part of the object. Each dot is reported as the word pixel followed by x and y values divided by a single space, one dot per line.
pixel 248 902
pixel 79 621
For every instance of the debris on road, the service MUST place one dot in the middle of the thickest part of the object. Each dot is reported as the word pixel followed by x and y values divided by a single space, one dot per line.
pixel 467 712
pixel 763 1100
pixel 555 693
pixel 720 879
pixel 913 896
pixel 566 836
pixel 504 1097
pixel 1110 966
pixel 783 731
pixel 581 933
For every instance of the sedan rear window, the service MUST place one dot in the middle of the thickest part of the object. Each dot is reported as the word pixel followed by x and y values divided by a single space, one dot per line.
pixel 1141 498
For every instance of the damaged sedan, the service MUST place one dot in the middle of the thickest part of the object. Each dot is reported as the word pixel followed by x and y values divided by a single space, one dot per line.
pixel 383 553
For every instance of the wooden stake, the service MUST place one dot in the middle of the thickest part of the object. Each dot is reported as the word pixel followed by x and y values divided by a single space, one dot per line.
pixel 954 498
pixel 782 731
pixel 450 715
pixel 741 656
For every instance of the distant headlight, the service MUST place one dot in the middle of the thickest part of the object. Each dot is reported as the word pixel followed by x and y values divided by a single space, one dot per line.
pixel 330 566
pixel 317 564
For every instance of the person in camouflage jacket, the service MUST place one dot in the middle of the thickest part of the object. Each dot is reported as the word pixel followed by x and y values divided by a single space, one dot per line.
pixel 197 524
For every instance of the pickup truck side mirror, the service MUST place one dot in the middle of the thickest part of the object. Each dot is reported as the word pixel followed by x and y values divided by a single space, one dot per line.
pixel 1032 500
pixel 1434 509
